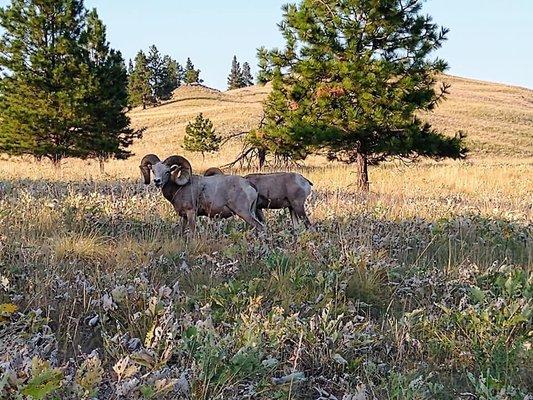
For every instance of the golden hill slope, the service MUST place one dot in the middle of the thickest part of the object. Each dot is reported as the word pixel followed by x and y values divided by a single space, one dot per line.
pixel 231 112
pixel 498 119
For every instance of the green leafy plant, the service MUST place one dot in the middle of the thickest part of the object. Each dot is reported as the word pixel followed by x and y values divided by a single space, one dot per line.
pixel 44 380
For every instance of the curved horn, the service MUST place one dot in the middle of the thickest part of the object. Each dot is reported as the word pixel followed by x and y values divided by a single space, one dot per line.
pixel 146 163
pixel 184 166
pixel 213 171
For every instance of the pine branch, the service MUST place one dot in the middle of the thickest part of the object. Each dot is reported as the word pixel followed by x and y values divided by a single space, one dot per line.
pixel 233 136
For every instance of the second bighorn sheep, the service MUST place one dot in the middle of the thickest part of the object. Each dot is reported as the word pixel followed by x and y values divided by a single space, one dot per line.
pixel 278 190
pixel 193 195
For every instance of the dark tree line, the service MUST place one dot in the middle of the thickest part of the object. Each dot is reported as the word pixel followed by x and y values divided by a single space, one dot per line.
pixel 239 77
pixel 153 77
pixel 62 88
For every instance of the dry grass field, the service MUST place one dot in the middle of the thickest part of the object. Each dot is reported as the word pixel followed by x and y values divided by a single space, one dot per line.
pixel 421 289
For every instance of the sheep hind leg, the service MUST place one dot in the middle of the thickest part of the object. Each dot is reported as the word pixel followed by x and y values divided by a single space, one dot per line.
pixel 251 220
pixel 249 216
pixel 260 215
pixel 256 218
pixel 301 215
pixel 294 218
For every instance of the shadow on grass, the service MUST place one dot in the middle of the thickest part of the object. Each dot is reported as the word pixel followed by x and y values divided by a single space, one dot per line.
pixel 111 251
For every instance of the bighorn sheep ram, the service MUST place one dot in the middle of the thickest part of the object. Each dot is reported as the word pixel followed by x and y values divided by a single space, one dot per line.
pixel 278 190
pixel 193 195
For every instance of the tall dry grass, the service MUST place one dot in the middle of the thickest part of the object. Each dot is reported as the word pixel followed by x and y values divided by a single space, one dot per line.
pixel 420 289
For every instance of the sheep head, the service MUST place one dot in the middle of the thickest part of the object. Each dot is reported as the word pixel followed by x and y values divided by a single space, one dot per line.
pixel 213 171
pixel 174 168
pixel 178 169
pixel 146 166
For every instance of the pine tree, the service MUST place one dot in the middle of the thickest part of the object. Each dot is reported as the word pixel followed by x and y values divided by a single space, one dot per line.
pixel 350 82
pixel 171 77
pixel 63 92
pixel 191 74
pixel 177 71
pixel 200 136
pixel 235 78
pixel 42 88
pixel 107 131
pixel 154 78
pixel 157 73
pixel 139 90
pixel 265 70
pixel 247 78
pixel 131 68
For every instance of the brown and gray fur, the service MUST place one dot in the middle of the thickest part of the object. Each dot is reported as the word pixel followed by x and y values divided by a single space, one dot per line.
pixel 278 190
pixel 193 195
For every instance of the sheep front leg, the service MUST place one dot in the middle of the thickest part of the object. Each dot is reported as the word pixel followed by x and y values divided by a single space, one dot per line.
pixel 183 227
pixel 191 221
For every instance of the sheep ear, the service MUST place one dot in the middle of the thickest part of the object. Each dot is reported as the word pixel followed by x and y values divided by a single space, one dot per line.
pixel 174 167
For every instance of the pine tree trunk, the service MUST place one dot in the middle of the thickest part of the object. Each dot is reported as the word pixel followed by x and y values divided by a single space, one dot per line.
pixel 56 161
pixel 261 154
pixel 361 166
pixel 101 161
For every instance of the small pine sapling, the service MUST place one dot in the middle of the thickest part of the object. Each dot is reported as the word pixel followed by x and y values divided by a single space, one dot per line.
pixel 201 137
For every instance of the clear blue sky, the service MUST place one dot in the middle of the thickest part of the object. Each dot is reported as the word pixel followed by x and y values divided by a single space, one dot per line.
pixel 489 39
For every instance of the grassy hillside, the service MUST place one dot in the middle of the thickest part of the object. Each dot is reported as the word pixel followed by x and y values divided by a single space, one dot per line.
pixel 420 289
pixel 498 119
pixel 231 112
